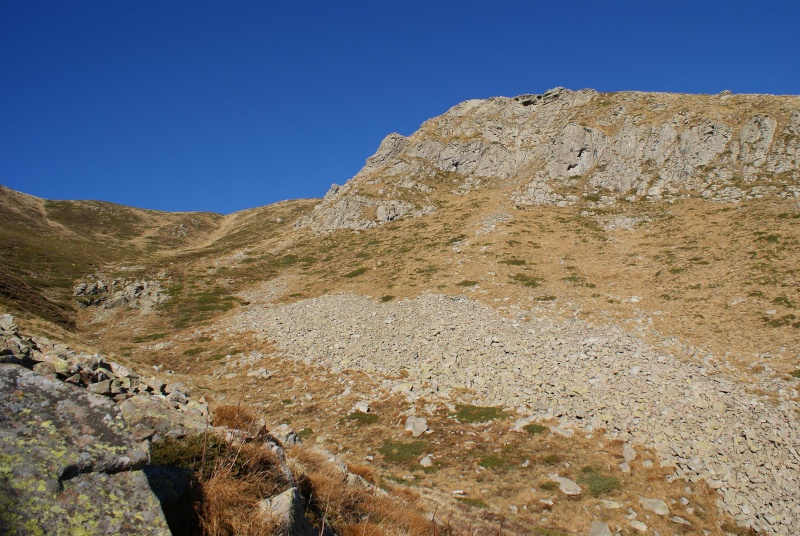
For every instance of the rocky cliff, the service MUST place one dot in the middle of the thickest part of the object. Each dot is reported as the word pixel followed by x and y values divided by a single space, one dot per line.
pixel 566 147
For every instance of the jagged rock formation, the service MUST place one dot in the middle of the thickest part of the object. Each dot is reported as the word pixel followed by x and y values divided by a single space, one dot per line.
pixel 565 146
pixel 144 295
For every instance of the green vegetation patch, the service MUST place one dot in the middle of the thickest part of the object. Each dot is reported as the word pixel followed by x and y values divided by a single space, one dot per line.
pixel 795 374
pixel 475 503
pixel 193 351
pixel 549 532
pixel 513 262
pixel 490 461
pixel 148 338
pixel 467 413
pixel 361 417
pixel 551 459
pixel 197 452
pixel 534 429
pixel 355 273
pixel 401 451
pixel 387 298
pixel 467 283
pixel 769 238
pixel 527 280
pixel 398 480
pixel 780 321
pixel 783 300
pixel 457 238
pixel 598 483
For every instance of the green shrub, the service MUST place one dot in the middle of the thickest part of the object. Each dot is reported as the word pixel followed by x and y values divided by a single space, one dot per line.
pixel 457 238
pixel 795 373
pixel 193 351
pixel 513 262
pixel 387 298
pixel 467 283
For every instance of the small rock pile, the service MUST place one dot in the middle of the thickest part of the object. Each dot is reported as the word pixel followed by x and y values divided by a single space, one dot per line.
pixel 152 407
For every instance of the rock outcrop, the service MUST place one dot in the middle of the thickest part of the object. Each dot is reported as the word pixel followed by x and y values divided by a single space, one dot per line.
pixel 68 464
pixel 72 461
pixel 565 146
pixel 144 295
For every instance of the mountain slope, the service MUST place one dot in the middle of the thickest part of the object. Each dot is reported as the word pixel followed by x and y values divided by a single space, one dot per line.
pixel 636 260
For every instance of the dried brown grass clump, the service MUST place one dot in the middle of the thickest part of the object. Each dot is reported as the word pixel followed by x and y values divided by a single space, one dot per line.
pixel 231 480
pixel 231 416
pixel 354 510
pixel 230 507
pixel 364 471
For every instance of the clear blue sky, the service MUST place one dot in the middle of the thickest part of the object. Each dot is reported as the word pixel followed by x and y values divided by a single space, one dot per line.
pixel 222 106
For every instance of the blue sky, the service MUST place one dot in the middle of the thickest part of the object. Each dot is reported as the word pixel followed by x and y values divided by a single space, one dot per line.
pixel 222 106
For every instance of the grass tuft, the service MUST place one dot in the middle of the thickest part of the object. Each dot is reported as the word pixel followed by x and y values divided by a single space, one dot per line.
pixel 467 413
pixel 598 483
pixel 361 418
pixel 475 503
pixel 534 428
pixel 399 451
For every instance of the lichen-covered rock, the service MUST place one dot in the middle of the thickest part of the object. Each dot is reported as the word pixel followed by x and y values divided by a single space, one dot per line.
pixel 151 415
pixel 68 464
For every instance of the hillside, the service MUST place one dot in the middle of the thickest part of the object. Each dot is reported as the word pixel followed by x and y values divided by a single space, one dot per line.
pixel 618 269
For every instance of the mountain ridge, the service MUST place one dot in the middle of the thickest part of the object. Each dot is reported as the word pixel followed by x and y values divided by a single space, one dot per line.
pixel 562 147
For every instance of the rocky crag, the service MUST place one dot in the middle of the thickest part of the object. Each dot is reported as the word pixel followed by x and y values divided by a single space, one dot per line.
pixel 565 146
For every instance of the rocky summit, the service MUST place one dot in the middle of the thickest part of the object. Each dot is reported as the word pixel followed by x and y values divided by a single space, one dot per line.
pixel 562 313
pixel 564 146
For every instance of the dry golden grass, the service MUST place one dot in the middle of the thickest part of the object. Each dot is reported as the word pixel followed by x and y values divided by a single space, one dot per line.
pixel 230 507
pixel 232 416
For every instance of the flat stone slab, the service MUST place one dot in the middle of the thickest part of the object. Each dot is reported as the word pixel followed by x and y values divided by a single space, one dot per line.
pixel 68 464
